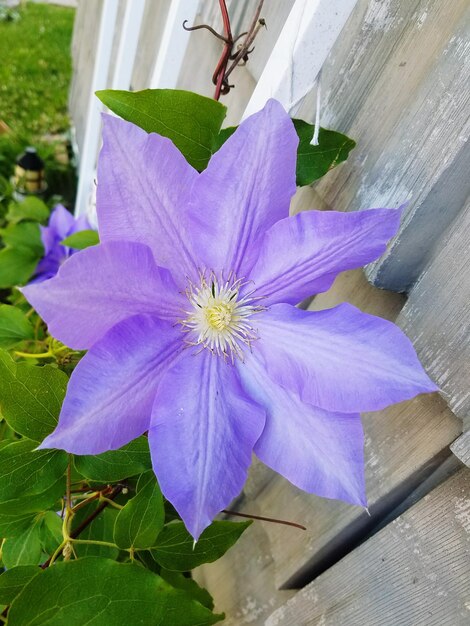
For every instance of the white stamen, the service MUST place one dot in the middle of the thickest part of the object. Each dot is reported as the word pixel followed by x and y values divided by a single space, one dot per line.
pixel 219 317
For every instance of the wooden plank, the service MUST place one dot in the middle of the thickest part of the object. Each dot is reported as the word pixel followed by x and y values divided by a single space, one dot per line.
pixel 461 448
pixel 153 23
pixel 91 140
pixel 397 82
pixel 437 316
pixel 172 46
pixel 304 43
pixel 84 42
pixel 199 63
pixel 128 35
pixel 414 572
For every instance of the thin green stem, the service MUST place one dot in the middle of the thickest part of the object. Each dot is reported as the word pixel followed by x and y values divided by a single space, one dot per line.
pixel 95 542
pixel 115 505
pixel 38 355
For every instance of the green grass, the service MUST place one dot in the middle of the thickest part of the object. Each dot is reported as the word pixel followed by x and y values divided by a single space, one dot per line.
pixel 35 73
pixel 35 70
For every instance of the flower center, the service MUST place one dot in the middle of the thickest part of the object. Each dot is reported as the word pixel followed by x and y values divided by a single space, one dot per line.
pixel 219 316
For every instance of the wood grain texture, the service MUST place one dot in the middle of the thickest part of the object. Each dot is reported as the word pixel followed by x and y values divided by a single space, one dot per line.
pixel 153 23
pixel 84 42
pixel 437 316
pixel 397 82
pixel 200 61
pixel 415 572
pixel 461 448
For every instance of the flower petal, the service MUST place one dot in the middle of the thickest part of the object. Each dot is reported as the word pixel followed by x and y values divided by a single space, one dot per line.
pixel 340 359
pixel 318 451
pixel 245 189
pixel 201 437
pixel 142 193
pixel 110 394
pixel 61 222
pixel 100 286
pixel 316 246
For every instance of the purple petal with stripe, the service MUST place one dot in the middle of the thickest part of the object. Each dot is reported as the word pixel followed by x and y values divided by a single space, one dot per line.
pixel 100 286
pixel 340 359
pixel 246 188
pixel 302 255
pixel 318 451
pixel 142 195
pixel 201 437
pixel 111 392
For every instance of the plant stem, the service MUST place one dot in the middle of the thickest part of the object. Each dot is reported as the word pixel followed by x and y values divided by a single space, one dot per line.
pixel 95 542
pixel 70 536
pixel 219 73
pixel 86 522
pixel 265 519
pixel 31 355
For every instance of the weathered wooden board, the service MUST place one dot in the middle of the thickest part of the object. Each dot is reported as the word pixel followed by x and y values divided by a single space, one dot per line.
pixel 204 51
pixel 153 23
pixel 461 448
pixel 397 82
pixel 415 572
pixel 84 42
pixel 200 61
pixel 437 316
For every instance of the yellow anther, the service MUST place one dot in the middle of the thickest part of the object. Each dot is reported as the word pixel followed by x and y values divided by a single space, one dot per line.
pixel 219 316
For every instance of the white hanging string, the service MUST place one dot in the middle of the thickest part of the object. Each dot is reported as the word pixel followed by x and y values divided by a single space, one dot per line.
pixel 316 133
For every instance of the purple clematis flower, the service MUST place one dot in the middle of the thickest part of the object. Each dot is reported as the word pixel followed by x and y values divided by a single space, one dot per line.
pixel 187 311
pixel 61 224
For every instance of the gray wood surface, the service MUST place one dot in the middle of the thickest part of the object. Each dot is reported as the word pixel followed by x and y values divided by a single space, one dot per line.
pixel 397 81
pixel 461 448
pixel 84 42
pixel 415 572
pixel 437 316
pixel 153 23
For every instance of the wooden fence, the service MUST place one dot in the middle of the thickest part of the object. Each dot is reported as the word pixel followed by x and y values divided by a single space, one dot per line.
pixel 394 76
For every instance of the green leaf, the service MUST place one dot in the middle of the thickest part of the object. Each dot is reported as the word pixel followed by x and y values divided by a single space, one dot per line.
pixel 25 549
pixel 14 524
pixel 50 531
pixel 16 266
pixel 81 240
pixel 34 503
pixel 100 529
pixel 25 235
pixel 130 460
pixel 179 581
pixel 191 121
pixel 101 592
pixel 313 162
pixel 175 551
pixel 139 522
pixel 31 396
pixel 14 326
pixel 25 471
pixel 13 580
pixel 19 258
pixel 31 208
